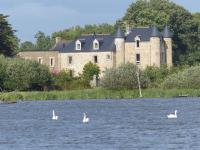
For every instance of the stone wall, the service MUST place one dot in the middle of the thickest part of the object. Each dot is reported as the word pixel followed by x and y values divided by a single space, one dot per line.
pixel 144 50
pixel 79 59
pixel 44 57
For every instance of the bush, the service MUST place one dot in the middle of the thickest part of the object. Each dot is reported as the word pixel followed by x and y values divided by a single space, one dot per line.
pixel 124 76
pixel 25 75
pixel 63 80
pixel 189 78
pixel 89 70
pixel 156 75
pixel 3 66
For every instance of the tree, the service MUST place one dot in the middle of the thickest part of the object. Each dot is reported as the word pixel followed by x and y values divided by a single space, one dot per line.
pixel 27 46
pixel 125 76
pixel 89 70
pixel 8 41
pixel 43 42
pixel 161 13
pixel 75 32
pixel 63 80
pixel 25 75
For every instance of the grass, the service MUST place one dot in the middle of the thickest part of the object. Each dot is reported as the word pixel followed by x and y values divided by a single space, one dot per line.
pixel 97 93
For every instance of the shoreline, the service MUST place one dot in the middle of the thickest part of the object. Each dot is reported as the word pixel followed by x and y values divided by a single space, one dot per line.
pixel 96 93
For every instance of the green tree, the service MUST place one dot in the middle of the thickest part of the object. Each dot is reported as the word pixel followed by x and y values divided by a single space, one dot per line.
pixel 27 46
pixel 125 76
pixel 63 80
pixel 43 42
pixel 3 66
pixel 89 70
pixel 188 78
pixel 75 32
pixel 25 75
pixel 161 13
pixel 8 41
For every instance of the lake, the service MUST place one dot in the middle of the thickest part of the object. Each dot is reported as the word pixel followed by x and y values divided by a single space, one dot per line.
pixel 114 125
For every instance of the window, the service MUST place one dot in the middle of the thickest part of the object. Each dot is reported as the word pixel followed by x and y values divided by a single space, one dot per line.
pixel 95 59
pixel 52 63
pixel 78 45
pixel 137 58
pixel 137 41
pixel 40 60
pixel 108 57
pixel 96 45
pixel 71 73
pixel 70 60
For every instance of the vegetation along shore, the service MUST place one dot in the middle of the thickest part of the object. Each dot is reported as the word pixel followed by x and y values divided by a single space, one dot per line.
pixel 97 93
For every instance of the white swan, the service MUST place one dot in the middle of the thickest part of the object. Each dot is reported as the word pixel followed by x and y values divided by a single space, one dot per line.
pixel 85 118
pixel 172 116
pixel 54 117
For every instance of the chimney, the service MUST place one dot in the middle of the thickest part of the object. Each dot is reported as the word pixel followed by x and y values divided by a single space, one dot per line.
pixel 128 30
pixel 58 39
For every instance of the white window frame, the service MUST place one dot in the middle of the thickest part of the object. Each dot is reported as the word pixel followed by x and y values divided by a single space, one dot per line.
pixel 40 58
pixel 137 39
pixel 52 65
pixel 78 45
pixel 96 42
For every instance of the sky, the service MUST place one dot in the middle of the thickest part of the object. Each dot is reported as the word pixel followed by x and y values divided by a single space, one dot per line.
pixel 30 16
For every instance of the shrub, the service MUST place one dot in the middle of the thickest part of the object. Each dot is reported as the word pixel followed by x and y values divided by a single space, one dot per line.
pixel 124 76
pixel 63 80
pixel 89 70
pixel 156 75
pixel 24 75
pixel 3 66
pixel 189 78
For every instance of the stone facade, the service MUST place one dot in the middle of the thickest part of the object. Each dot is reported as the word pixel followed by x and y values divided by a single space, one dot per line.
pixel 78 60
pixel 142 46
pixel 48 58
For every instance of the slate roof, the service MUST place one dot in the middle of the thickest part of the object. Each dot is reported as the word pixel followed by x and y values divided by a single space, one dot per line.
pixel 59 46
pixel 155 32
pixel 119 33
pixel 167 33
pixel 144 33
pixel 107 41
pixel 106 44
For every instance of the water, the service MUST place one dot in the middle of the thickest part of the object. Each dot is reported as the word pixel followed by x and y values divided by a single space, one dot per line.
pixel 114 125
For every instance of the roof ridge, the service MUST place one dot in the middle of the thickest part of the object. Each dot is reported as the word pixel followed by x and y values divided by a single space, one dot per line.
pixel 93 34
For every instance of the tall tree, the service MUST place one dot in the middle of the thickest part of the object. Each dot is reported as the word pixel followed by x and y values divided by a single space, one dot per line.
pixel 74 32
pixel 43 42
pixel 8 41
pixel 161 13
pixel 27 46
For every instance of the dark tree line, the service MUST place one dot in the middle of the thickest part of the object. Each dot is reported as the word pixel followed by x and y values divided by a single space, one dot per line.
pixel 8 40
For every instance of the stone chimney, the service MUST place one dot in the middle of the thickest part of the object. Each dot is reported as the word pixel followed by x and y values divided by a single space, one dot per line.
pixel 58 39
pixel 128 29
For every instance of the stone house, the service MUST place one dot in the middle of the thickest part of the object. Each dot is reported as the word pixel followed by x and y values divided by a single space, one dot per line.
pixel 141 46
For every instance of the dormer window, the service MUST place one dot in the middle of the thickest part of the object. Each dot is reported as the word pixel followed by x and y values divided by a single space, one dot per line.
pixel 137 41
pixel 96 44
pixel 78 45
